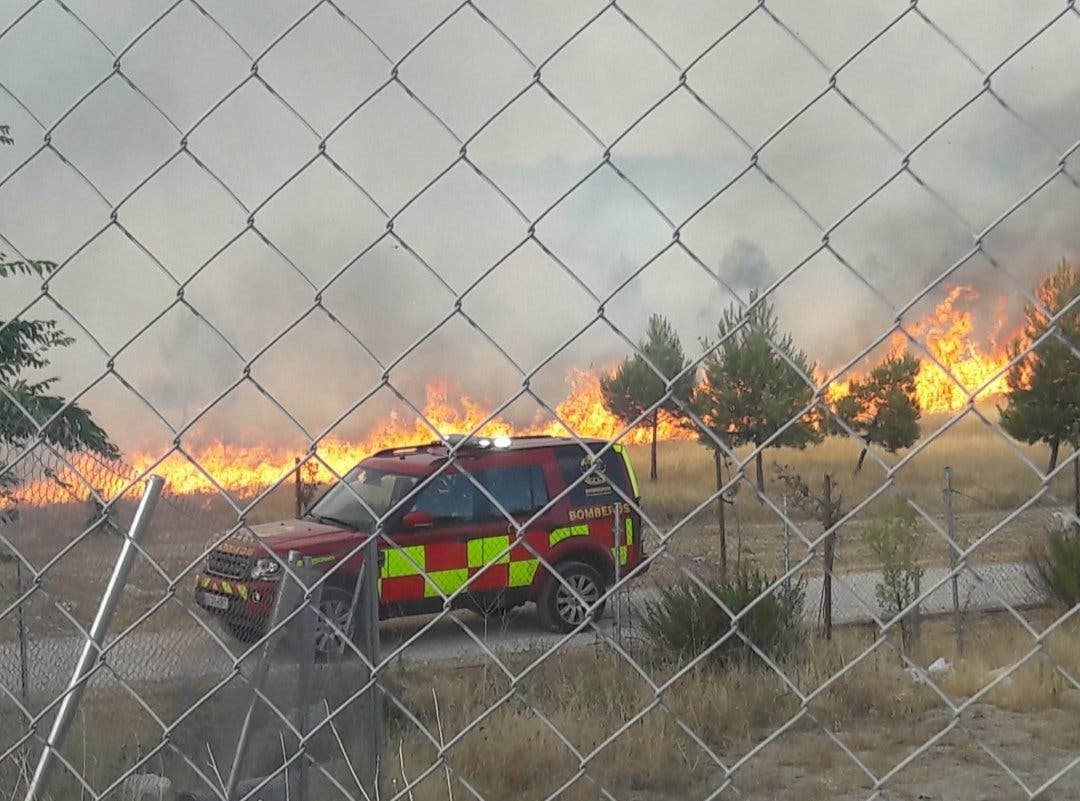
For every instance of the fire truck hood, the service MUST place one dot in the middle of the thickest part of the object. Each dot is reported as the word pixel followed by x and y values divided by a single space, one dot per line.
pixel 289 535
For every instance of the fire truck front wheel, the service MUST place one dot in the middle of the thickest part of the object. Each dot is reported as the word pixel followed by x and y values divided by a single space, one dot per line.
pixel 560 606
pixel 335 606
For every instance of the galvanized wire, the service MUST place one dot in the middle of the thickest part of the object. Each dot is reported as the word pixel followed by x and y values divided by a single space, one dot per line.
pixel 39 464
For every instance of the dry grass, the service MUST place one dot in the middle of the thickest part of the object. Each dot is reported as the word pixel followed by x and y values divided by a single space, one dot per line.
pixel 586 696
pixel 179 531
pixel 990 480
pixel 876 708
pixel 986 468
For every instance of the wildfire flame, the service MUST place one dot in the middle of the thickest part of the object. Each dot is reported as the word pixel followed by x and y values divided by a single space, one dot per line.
pixel 249 469
pixel 969 367
pixel 946 333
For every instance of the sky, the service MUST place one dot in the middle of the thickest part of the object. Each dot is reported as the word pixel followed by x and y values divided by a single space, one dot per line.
pixel 289 184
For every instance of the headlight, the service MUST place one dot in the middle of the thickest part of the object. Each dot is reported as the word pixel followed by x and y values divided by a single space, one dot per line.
pixel 265 569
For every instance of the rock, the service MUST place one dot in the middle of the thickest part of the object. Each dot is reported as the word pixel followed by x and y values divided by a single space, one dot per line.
pixel 147 787
pixel 1002 671
pixel 274 790
pixel 915 675
pixel 939 666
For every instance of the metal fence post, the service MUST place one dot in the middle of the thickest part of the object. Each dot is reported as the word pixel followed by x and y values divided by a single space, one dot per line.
pixel 24 667
pixel 618 540
pixel 950 529
pixel 369 706
pixel 829 558
pixel 787 549
pixel 285 601
pixel 91 651
pixel 306 623
pixel 299 482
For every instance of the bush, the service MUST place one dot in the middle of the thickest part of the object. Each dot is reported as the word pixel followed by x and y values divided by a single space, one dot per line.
pixel 1055 569
pixel 687 621
pixel 896 542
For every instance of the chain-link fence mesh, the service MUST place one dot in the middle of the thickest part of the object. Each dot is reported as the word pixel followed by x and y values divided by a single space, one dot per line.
pixel 285 238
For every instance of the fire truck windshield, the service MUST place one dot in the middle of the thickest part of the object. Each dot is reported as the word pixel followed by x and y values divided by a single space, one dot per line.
pixel 379 489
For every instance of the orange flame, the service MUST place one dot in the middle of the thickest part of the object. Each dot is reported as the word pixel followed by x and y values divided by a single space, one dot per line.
pixel 946 333
pixel 969 367
pixel 249 469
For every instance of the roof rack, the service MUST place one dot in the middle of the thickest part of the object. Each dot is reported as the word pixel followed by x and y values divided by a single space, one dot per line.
pixel 402 450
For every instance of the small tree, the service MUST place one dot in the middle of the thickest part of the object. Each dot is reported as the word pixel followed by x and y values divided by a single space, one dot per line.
pixel 1044 384
pixel 826 509
pixel 754 384
pixel 895 541
pixel 25 403
pixel 881 407
pixel 636 387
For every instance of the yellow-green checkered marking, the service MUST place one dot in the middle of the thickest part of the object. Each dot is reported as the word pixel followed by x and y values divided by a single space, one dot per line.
pixel 522 573
pixel 448 581
pixel 486 550
pixel 560 534
pixel 397 563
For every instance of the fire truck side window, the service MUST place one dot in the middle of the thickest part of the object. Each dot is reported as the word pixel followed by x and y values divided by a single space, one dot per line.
pixel 448 499
pixel 519 491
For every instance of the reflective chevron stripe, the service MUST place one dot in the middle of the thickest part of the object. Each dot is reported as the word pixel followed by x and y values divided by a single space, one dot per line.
pixel 560 534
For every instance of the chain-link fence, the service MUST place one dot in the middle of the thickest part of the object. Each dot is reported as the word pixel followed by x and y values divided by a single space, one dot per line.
pixel 844 571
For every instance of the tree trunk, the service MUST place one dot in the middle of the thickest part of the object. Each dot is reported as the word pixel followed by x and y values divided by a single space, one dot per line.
pixel 717 460
pixel 1055 445
pixel 862 457
pixel 652 460
pixel 760 467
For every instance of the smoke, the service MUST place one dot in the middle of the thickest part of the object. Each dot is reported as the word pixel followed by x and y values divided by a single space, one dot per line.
pixel 296 301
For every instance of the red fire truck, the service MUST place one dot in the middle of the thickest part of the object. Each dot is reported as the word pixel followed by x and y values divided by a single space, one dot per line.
pixel 445 539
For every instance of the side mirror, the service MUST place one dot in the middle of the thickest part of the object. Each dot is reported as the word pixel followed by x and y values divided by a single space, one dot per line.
pixel 417 519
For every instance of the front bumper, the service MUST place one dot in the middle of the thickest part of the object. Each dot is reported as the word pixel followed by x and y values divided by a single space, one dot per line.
pixel 249 600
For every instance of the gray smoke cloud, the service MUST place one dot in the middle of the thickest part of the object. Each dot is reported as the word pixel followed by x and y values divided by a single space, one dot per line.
pixel 319 224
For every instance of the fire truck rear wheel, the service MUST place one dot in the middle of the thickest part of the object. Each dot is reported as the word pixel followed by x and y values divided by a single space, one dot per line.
pixel 559 608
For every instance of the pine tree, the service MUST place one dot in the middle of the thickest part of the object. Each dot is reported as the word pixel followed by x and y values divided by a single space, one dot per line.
pixel 1044 384
pixel 636 387
pixel 881 408
pixel 754 385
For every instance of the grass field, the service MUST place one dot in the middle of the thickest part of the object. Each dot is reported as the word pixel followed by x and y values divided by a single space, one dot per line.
pixel 874 709
pixel 990 480
pixel 988 468
pixel 593 702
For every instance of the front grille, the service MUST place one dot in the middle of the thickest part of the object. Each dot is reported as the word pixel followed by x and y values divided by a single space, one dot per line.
pixel 228 565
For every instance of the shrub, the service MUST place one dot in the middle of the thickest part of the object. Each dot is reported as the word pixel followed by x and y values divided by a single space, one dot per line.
pixel 1055 569
pixel 686 621
pixel 895 540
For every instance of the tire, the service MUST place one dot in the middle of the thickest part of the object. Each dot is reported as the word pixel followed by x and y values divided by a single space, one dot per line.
pixel 557 607
pixel 335 604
